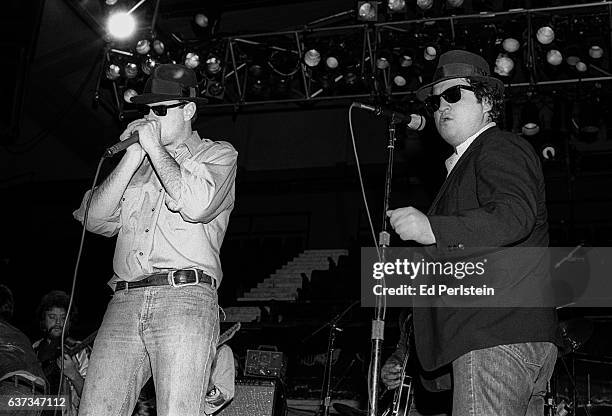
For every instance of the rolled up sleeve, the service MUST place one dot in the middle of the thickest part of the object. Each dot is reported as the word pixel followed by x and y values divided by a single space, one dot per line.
pixel 106 226
pixel 207 185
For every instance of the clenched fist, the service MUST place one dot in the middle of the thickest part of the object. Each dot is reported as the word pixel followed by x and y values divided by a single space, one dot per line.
pixel 411 224
pixel 390 373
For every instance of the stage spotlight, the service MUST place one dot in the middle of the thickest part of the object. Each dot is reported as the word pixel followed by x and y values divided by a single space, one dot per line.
pixel 312 58
pixel 430 53
pixel 257 87
pixel 454 3
pixel 530 119
pixel 258 76
pixel 113 72
pixel 367 11
pixel 332 62
pixel 131 70
pixel 425 4
pixel 511 45
pixel 549 145
pixel 503 65
pixel 215 89
pixel 587 117
pixel 111 2
pixel 285 63
pixel 281 85
pixel 201 20
pixel 545 35
pixel 121 25
pixel 554 57
pixel 405 61
pixel 256 71
pixel 530 129
pixel 128 94
pixel 148 65
pixel 350 76
pixel 327 81
pixel 213 65
pixel 581 66
pixel 595 52
pixel 158 46
pixel 400 81
pixel 383 61
pixel 549 152
pixel 192 60
pixel 143 46
pixel 396 6
pixel 572 60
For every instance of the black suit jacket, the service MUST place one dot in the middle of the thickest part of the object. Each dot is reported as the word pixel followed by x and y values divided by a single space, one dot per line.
pixel 493 197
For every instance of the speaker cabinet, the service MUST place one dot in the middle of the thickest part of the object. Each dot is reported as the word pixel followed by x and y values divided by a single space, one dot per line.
pixel 256 397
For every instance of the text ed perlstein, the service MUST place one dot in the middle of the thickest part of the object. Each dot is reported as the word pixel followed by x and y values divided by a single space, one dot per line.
pixel 412 269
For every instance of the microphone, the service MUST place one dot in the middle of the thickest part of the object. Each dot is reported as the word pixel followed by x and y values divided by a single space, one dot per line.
pixel 415 121
pixel 116 148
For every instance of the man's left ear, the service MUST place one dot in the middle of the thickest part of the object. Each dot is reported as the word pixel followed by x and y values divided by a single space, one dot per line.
pixel 189 110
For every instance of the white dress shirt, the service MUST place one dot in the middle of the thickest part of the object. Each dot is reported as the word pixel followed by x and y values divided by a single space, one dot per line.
pixel 460 149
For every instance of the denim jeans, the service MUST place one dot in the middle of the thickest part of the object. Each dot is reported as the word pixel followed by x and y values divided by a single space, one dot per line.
pixel 506 380
pixel 161 331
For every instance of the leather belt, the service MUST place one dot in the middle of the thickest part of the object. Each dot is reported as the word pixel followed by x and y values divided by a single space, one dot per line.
pixel 175 278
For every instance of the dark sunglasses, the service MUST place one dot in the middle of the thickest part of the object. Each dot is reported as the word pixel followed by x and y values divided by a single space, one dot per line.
pixel 451 95
pixel 162 110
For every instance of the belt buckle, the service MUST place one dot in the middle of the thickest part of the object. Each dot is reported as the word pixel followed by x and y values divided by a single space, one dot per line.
pixel 172 283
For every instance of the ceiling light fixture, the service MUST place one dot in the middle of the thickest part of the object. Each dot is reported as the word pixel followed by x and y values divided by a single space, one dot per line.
pixel 121 25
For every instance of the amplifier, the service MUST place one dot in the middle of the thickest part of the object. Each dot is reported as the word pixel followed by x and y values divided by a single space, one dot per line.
pixel 261 363
pixel 256 397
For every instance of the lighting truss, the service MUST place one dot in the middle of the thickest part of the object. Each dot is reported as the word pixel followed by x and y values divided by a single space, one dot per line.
pixel 385 61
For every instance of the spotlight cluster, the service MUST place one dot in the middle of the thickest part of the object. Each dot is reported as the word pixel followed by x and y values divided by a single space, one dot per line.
pixel 385 58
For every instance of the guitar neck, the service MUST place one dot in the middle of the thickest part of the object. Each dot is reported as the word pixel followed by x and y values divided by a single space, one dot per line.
pixel 227 335
pixel 75 349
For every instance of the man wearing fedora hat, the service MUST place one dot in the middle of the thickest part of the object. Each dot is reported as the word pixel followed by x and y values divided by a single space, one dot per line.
pixel 168 201
pixel 500 358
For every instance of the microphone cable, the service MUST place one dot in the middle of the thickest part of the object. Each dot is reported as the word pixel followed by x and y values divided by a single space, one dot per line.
pixel 360 177
pixel 369 216
pixel 74 280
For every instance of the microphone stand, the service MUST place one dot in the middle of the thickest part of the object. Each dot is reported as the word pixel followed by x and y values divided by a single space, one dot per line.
pixel 327 375
pixel 326 390
pixel 378 323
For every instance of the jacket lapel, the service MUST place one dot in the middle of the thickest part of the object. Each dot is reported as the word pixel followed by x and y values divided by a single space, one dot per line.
pixel 476 143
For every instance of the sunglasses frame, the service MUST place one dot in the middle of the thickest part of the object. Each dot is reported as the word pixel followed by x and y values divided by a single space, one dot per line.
pixel 162 108
pixel 432 106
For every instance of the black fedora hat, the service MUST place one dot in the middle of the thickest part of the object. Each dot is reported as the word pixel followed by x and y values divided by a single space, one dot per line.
pixel 459 64
pixel 170 82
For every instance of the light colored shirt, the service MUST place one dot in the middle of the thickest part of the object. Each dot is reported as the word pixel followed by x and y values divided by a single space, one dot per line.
pixel 460 149
pixel 157 233
pixel 82 359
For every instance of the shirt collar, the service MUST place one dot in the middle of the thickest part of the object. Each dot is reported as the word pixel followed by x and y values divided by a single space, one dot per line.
pixel 460 149
pixel 191 144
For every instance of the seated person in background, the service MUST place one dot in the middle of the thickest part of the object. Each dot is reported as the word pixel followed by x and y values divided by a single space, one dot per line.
pixel 20 372
pixel 52 314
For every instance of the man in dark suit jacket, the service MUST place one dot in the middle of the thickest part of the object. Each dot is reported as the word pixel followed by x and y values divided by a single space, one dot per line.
pixel 493 196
